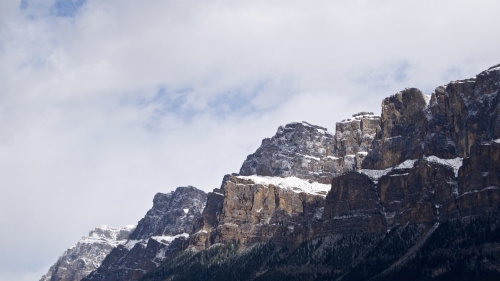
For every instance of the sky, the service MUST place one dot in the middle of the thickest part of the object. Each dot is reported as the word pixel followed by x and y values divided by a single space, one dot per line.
pixel 104 103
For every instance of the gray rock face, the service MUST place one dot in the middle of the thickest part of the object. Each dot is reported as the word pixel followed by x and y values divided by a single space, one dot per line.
pixel 251 209
pixel 425 161
pixel 410 155
pixel 311 152
pixel 163 232
pixel 87 254
pixel 172 213
pixel 297 149
pixel 445 125
pixel 353 138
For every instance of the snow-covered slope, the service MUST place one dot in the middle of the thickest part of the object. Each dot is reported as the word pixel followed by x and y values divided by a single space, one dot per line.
pixel 87 254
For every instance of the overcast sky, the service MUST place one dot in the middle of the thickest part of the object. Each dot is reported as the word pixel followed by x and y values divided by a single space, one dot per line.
pixel 103 103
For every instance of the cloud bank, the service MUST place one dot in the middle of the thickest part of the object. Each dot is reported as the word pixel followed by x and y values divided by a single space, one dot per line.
pixel 103 103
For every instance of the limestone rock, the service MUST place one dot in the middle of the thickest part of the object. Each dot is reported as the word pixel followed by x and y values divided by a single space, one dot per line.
pixel 446 125
pixel 311 152
pixel 259 209
pixel 163 232
pixel 352 206
pixel 297 149
pixel 172 213
pixel 87 254
pixel 479 181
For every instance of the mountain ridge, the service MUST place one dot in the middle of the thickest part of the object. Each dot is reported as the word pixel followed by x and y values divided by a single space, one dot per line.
pixel 363 203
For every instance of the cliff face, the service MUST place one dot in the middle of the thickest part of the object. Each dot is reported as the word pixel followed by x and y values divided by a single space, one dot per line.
pixel 366 203
pixel 163 232
pixel 446 124
pixel 87 254
pixel 311 152
pixel 252 209
pixel 297 149
pixel 425 162
pixel 172 213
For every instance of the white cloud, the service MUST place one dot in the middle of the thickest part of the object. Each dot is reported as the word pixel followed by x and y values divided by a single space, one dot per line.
pixel 101 110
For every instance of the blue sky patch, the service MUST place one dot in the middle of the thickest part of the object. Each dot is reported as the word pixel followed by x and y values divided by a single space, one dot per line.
pixel 67 8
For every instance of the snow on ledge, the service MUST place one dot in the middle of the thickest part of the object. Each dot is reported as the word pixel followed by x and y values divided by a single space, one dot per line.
pixel 165 239
pixel 295 184
pixel 131 243
pixel 455 163
pixel 375 175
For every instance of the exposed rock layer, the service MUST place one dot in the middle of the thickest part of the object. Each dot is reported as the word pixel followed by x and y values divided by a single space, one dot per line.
pixel 87 254
pixel 458 115
pixel 163 232
pixel 311 152
pixel 412 181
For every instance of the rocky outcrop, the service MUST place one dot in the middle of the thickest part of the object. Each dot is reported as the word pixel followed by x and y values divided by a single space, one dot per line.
pixel 297 149
pixel 402 129
pixel 255 209
pixel 446 124
pixel 353 138
pixel 372 194
pixel 172 213
pixel 479 181
pixel 410 158
pixel 87 254
pixel 163 232
pixel 352 206
pixel 311 152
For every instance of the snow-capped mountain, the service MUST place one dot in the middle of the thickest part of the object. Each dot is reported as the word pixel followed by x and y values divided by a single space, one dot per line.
pixel 87 254
pixel 412 194
pixel 164 231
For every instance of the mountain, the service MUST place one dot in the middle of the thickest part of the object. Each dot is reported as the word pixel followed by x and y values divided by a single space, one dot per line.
pixel 411 194
pixel 163 232
pixel 87 254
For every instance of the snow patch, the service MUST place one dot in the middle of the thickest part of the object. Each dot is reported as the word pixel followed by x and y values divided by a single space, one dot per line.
pixel 166 239
pixel 399 175
pixel 455 163
pixel 131 243
pixel 295 184
pixel 492 187
pixel 375 175
pixel 308 156
pixel 427 99
pixel 332 157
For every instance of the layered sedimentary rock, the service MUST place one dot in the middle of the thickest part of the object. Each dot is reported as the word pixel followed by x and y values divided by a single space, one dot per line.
pixel 479 181
pixel 87 254
pixel 163 232
pixel 446 124
pixel 357 204
pixel 353 138
pixel 311 152
pixel 410 157
pixel 253 209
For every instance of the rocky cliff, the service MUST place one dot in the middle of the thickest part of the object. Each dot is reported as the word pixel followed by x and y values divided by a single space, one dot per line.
pixel 426 161
pixel 311 152
pixel 446 124
pixel 87 254
pixel 163 232
pixel 376 200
